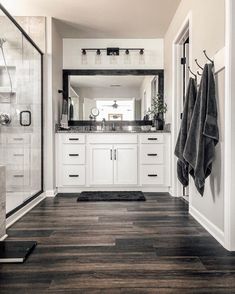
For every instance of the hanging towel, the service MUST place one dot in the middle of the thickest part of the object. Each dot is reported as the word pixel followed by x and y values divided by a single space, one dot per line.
pixel 203 133
pixel 182 165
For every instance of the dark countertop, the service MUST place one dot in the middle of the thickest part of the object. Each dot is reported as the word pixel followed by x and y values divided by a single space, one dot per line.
pixel 125 131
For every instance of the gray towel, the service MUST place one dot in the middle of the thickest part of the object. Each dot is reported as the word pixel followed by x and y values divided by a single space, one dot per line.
pixel 203 132
pixel 182 165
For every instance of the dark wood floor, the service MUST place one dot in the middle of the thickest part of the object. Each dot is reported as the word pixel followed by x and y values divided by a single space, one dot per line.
pixel 117 247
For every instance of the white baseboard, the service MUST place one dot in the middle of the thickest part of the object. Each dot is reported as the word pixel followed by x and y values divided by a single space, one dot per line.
pixel 3 237
pixel 112 188
pixel 217 233
pixel 16 216
pixel 51 193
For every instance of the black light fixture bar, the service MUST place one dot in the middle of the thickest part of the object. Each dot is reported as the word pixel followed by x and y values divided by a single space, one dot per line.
pixel 112 50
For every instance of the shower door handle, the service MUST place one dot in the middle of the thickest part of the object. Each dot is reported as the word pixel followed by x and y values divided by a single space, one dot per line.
pixel 25 118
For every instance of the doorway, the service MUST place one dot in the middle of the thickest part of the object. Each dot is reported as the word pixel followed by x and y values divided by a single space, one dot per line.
pixel 181 61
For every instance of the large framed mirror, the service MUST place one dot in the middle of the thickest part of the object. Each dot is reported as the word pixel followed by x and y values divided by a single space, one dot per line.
pixel 114 95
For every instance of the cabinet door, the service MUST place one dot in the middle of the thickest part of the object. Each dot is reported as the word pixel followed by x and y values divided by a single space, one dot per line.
pixel 101 164
pixel 125 164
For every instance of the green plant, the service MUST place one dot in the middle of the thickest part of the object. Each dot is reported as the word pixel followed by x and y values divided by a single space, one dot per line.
pixel 158 106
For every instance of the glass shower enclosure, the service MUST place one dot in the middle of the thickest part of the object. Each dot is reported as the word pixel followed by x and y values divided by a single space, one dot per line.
pixel 20 113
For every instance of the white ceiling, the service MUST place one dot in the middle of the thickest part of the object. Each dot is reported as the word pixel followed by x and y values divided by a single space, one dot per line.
pixel 101 18
pixel 106 81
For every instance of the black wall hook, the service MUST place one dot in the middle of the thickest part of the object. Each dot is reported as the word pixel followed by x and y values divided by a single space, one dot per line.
pixel 211 61
pixel 199 73
pixel 195 76
pixel 198 64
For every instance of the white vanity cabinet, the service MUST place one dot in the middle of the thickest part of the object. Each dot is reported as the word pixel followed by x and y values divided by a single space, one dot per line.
pixel 112 161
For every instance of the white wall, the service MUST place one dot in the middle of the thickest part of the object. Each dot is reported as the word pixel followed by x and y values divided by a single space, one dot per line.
pixel 208 32
pixel 230 127
pixel 72 53
pixel 52 82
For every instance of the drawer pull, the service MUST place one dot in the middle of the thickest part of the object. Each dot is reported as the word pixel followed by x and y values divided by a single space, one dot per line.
pixel 74 154
pixel 152 139
pixel 73 139
pixel 18 139
pixel 152 154
pixel 73 176
pixel 19 154
pixel 18 176
pixel 152 175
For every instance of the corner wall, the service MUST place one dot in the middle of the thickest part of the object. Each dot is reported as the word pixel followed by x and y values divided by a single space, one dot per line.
pixel 208 32
pixel 53 60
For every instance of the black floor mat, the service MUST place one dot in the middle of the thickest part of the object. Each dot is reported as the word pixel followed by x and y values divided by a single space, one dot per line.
pixel 15 251
pixel 111 196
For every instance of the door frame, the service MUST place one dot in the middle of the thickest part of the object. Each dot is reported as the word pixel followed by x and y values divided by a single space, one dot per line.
pixel 229 139
pixel 185 29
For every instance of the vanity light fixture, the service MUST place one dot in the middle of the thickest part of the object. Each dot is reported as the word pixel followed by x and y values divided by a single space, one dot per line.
pixel 113 52
pixel 84 56
pixel 98 57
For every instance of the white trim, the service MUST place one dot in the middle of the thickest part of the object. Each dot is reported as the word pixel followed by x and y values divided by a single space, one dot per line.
pixel 229 129
pixel 16 216
pixel 112 188
pixel 51 193
pixel 3 237
pixel 176 189
pixel 217 233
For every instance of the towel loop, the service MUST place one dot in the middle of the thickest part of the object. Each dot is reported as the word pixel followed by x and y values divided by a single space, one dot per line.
pixel 198 64
pixel 195 76
pixel 204 51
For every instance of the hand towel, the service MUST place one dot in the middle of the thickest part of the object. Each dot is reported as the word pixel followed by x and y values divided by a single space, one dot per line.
pixel 203 133
pixel 182 164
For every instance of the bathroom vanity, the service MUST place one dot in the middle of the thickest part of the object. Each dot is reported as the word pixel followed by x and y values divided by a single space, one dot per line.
pixel 112 161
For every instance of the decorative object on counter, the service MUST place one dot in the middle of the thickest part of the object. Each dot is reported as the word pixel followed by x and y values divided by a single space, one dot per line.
pixel 95 112
pixel 64 116
pixel 111 196
pixel 157 111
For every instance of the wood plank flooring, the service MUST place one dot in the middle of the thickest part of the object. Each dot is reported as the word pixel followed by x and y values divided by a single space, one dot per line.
pixel 117 247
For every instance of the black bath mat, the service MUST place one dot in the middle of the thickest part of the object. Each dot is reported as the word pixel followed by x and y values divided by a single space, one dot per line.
pixel 111 196
pixel 15 251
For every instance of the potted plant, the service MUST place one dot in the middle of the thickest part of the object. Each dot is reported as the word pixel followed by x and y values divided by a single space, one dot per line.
pixel 158 109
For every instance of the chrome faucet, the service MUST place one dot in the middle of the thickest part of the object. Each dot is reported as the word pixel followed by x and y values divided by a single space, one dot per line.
pixel 113 127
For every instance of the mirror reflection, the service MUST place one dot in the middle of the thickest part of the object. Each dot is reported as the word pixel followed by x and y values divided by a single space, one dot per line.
pixel 116 98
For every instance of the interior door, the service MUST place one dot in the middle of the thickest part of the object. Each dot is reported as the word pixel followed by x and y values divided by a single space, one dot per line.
pixel 125 164
pixel 101 164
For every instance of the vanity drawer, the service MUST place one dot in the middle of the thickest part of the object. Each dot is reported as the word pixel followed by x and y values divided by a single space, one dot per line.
pixel 152 154
pixel 73 138
pixel 73 175
pixel 73 154
pixel 152 175
pixel 151 138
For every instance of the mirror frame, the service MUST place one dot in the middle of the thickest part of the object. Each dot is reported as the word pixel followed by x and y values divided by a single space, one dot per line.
pixel 111 72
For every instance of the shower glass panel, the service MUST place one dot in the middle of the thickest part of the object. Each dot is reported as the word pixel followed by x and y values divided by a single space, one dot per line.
pixel 20 114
